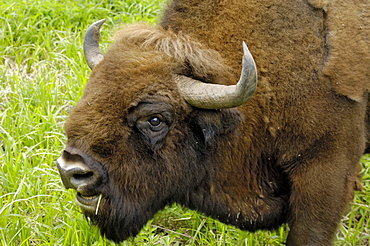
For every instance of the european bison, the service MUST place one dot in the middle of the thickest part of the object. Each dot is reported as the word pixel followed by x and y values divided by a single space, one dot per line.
pixel 161 120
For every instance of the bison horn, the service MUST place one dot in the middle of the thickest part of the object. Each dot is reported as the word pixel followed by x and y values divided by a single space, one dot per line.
pixel 92 51
pixel 215 96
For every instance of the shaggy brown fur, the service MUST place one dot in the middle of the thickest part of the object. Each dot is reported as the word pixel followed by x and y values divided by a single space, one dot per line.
pixel 289 155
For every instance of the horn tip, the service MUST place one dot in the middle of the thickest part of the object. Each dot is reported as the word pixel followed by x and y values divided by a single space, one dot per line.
pixel 99 23
pixel 245 49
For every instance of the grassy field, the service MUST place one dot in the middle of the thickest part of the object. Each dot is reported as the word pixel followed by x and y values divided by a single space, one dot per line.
pixel 43 74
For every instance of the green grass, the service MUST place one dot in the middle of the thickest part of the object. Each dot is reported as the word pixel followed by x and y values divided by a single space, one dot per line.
pixel 43 74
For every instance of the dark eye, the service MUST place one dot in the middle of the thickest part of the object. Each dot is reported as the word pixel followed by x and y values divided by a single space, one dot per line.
pixel 154 121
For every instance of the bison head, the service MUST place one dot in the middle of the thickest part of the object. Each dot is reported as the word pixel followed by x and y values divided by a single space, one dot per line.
pixel 141 136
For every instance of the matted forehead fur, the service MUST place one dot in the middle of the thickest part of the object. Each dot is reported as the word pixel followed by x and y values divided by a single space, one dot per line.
pixel 140 66
pixel 205 64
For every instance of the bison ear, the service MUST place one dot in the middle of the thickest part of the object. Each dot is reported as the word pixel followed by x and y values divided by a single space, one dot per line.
pixel 212 123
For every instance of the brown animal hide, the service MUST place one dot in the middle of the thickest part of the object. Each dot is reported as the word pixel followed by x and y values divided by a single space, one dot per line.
pixel 347 26
pixel 288 155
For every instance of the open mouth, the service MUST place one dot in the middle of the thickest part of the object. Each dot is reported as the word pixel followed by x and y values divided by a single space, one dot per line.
pixel 89 203
pixel 87 199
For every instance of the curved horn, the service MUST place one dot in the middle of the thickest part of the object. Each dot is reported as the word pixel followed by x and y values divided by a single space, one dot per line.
pixel 92 52
pixel 214 96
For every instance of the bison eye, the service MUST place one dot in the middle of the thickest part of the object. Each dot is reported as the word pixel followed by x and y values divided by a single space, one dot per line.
pixel 155 121
pixel 152 120
pixel 153 128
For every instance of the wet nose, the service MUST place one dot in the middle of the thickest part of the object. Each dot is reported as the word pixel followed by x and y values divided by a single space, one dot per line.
pixel 75 173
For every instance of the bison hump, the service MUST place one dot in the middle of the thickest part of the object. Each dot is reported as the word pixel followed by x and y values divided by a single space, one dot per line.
pixel 348 40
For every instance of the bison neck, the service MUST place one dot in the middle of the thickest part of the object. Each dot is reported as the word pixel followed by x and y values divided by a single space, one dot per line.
pixel 241 188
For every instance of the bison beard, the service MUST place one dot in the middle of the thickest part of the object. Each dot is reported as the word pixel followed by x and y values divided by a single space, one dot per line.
pixel 119 218
pixel 116 222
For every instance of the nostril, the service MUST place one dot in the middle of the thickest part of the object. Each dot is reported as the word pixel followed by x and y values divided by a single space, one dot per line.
pixel 85 176
pixel 79 180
